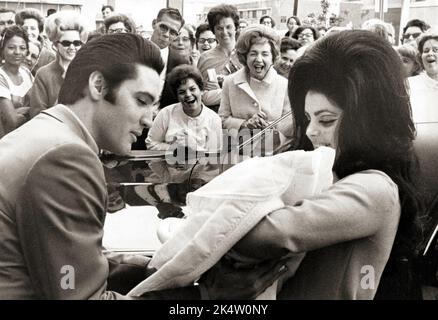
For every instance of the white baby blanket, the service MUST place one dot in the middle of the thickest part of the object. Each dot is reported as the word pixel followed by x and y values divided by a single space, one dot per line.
pixel 221 212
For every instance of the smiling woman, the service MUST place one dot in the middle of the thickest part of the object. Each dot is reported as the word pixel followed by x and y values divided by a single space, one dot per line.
pixel 256 95
pixel 15 80
pixel 187 123
pixel 68 33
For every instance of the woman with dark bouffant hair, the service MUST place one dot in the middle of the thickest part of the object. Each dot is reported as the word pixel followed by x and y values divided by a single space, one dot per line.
pixel 348 93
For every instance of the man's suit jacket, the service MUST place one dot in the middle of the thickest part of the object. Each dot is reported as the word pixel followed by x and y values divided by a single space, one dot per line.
pixel 52 209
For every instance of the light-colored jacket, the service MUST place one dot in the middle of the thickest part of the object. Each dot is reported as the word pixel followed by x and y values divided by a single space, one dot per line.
pixel 240 101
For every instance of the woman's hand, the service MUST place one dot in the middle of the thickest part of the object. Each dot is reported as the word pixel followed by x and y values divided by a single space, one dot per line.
pixel 224 282
pixel 257 121
pixel 211 85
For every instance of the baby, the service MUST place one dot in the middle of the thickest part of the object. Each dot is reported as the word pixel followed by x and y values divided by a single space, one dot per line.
pixel 223 211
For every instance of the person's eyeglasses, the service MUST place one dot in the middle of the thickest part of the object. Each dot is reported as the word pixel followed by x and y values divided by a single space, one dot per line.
pixel 66 43
pixel 209 40
pixel 9 23
pixel 184 39
pixel 118 30
pixel 172 32
pixel 415 35
pixel 305 35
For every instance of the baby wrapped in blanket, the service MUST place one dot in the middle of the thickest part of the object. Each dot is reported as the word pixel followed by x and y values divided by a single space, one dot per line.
pixel 223 211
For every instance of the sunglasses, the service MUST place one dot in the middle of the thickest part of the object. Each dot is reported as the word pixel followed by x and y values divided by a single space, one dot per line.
pixel 66 43
pixel 414 35
pixel 203 40
pixel 119 30
pixel 164 28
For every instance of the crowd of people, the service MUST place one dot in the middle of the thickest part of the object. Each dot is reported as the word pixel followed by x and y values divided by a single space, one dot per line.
pixel 77 91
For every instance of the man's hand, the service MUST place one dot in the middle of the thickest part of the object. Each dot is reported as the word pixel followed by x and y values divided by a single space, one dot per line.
pixel 224 282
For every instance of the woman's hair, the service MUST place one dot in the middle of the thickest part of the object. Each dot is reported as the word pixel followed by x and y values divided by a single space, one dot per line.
pixel 10 32
pixel 104 7
pixel 269 17
pixel 302 28
pixel 416 23
pixel 255 34
pixel 426 37
pixel 297 20
pixel 61 21
pixel 410 52
pixel 222 11
pixel 362 74
pixel 180 74
pixel 191 33
pixel 289 44
pixel 200 29
pixel 30 13
pixel 120 17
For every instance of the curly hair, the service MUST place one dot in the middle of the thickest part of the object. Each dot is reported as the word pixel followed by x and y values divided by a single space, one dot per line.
pixel 120 17
pixel 256 34
pixel 181 74
pixel 13 31
pixel 62 21
pixel 222 11
pixel 30 13
pixel 410 52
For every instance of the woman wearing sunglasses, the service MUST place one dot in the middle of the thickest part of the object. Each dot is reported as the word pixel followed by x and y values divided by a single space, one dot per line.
pixel 67 32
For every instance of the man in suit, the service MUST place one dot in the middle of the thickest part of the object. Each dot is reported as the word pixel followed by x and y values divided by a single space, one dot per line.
pixel 165 29
pixel 53 194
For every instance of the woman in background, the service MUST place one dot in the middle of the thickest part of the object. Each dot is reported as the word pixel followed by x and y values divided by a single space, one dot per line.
pixel 32 21
pixel 187 123
pixel 184 45
pixel 411 63
pixel 255 95
pixel 288 55
pixel 67 32
pixel 424 87
pixel 15 80
pixel 205 38
pixel 221 61
pixel 119 23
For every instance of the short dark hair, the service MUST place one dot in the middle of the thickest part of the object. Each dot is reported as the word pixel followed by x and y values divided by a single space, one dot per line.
pixel 200 29
pixel 222 11
pixel 267 16
pixel 107 7
pixel 302 28
pixel 409 51
pixel 180 74
pixel 424 38
pixel 30 13
pixel 289 44
pixel 13 31
pixel 171 12
pixel 120 17
pixel 50 11
pixel 416 23
pixel 115 56
pixel 361 73
pixel 253 34
pixel 295 18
